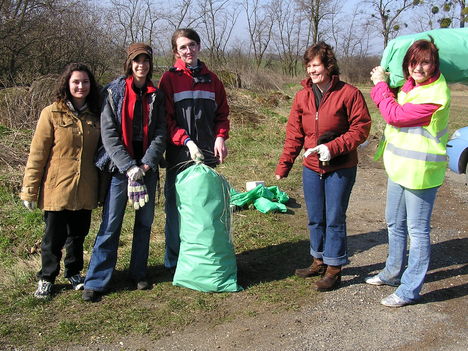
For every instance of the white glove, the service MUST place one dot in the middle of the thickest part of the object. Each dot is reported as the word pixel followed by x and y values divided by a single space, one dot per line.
pixel 378 75
pixel 135 173
pixel 322 150
pixel 137 193
pixel 195 152
pixel 30 205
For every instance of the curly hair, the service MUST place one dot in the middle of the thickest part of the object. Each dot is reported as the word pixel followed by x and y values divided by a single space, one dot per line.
pixel 326 55
pixel 63 86
pixel 418 52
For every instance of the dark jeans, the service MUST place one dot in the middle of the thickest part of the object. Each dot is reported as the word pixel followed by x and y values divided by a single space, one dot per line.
pixel 63 228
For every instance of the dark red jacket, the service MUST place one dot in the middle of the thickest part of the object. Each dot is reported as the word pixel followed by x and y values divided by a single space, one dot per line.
pixel 196 108
pixel 342 116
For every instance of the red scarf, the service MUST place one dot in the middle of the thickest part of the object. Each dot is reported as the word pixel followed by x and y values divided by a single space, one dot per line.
pixel 128 109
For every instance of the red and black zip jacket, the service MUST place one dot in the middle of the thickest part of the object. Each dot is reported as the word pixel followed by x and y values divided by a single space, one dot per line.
pixel 196 108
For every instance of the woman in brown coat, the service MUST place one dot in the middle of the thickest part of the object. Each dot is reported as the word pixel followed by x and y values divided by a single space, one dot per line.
pixel 60 177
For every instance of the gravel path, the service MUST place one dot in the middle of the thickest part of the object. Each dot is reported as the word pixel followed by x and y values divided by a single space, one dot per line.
pixel 351 318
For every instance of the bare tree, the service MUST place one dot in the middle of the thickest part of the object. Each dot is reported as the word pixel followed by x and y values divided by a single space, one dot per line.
pixel 179 14
pixel 351 40
pixel 316 12
pixel 137 21
pixel 389 14
pixel 41 37
pixel 217 22
pixel 287 38
pixel 451 10
pixel 260 25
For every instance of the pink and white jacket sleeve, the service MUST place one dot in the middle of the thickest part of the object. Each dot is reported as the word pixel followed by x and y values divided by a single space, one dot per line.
pixel 406 115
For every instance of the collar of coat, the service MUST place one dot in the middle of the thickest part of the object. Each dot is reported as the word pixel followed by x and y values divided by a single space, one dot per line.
pixel 179 66
pixel 307 83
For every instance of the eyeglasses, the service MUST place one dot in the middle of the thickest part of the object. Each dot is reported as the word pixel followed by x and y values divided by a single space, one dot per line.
pixel 191 46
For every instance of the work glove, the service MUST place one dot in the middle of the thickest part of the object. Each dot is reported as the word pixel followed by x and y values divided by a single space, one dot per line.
pixel 378 75
pixel 137 193
pixel 30 205
pixel 135 173
pixel 322 150
pixel 195 152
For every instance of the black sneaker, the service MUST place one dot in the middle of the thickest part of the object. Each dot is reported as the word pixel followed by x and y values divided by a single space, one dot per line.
pixel 91 295
pixel 77 282
pixel 44 289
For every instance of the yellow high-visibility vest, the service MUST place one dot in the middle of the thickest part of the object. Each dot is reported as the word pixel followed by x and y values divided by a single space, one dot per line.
pixel 415 157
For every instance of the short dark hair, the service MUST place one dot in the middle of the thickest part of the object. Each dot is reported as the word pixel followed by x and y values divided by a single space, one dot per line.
pixel 63 86
pixel 326 55
pixel 184 32
pixel 417 52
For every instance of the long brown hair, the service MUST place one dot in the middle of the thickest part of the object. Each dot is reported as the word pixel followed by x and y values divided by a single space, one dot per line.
pixel 63 86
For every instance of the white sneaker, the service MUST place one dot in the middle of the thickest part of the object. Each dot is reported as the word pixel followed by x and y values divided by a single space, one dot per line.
pixel 375 280
pixel 393 300
pixel 44 289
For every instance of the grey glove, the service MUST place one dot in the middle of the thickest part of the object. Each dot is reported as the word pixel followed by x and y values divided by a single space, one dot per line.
pixel 137 193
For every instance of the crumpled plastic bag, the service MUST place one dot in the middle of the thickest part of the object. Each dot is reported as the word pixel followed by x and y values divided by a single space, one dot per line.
pixel 264 199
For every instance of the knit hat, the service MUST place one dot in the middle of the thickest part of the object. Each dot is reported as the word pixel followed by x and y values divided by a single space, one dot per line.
pixel 136 49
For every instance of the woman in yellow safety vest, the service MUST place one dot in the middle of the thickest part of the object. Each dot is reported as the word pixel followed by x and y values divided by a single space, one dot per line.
pixel 414 153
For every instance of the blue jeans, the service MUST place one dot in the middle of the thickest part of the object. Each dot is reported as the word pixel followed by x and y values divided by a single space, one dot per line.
pixel 171 229
pixel 408 213
pixel 327 199
pixel 104 255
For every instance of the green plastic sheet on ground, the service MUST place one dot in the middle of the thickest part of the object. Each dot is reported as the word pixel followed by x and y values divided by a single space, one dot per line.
pixel 453 54
pixel 207 261
pixel 264 199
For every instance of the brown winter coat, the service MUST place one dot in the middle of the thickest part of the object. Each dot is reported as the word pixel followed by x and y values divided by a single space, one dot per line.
pixel 60 172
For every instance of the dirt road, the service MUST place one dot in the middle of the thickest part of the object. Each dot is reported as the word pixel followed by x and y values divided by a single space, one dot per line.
pixel 351 318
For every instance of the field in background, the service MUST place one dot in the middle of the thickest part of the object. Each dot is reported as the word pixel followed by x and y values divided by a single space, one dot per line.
pixel 268 247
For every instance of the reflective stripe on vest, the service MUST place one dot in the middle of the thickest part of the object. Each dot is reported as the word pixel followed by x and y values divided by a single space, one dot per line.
pixel 425 133
pixel 415 157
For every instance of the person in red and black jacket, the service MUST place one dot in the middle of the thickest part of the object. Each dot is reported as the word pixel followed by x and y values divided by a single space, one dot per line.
pixel 329 119
pixel 197 121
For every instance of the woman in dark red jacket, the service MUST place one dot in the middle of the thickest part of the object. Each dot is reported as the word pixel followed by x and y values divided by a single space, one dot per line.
pixel 329 119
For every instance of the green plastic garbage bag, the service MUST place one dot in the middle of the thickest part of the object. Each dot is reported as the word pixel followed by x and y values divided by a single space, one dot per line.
pixel 453 53
pixel 263 198
pixel 207 261
pixel 265 206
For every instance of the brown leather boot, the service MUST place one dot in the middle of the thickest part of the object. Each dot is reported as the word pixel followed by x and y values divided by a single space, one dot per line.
pixel 316 268
pixel 331 280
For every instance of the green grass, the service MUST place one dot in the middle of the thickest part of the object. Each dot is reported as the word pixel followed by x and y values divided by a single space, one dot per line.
pixel 268 248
